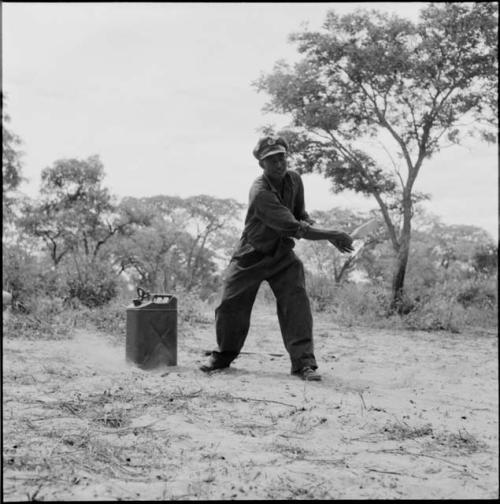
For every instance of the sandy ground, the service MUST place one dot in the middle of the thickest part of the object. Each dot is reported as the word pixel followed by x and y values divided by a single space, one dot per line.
pixel 398 415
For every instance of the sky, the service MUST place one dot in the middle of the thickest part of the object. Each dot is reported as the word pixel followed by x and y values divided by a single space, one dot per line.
pixel 163 93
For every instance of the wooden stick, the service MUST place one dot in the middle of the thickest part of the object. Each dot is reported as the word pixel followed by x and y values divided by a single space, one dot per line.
pixel 385 472
pixel 260 400
pixel 209 352
pixel 453 464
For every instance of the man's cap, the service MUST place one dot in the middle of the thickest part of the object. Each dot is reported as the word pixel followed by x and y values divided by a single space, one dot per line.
pixel 269 145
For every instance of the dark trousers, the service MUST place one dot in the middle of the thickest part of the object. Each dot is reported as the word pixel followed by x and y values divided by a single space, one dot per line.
pixel 285 274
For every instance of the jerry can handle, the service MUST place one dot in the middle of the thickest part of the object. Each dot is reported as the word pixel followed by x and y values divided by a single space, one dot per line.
pixel 142 293
pixel 155 296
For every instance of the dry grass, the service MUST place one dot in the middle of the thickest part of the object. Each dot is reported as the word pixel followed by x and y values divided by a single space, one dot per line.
pixel 401 431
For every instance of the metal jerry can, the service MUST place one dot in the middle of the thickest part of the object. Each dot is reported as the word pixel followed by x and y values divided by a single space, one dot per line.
pixel 152 330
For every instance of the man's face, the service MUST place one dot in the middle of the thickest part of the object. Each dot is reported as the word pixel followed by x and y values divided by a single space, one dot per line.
pixel 274 166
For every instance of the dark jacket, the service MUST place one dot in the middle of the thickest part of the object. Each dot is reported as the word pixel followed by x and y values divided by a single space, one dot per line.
pixel 273 218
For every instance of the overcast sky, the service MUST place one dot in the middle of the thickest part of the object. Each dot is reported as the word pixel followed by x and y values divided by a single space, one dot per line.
pixel 162 93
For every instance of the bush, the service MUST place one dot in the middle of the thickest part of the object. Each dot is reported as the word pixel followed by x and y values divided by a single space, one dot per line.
pixel 453 305
pixel 360 303
pixel 450 306
pixel 474 293
pixel 93 285
pixel 47 319
pixel 323 292
pixel 192 309
pixel 110 318
pixel 27 277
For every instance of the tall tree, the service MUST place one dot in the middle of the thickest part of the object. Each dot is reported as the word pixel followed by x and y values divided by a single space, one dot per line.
pixel 213 226
pixel 176 242
pixel 149 250
pixel 410 86
pixel 75 213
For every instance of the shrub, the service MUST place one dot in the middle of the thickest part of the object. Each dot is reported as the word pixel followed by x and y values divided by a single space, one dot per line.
pixel 474 293
pixel 110 318
pixel 322 291
pixel 93 285
pixel 192 309
pixel 46 319
pixel 432 314
pixel 26 277
pixel 451 306
pixel 360 304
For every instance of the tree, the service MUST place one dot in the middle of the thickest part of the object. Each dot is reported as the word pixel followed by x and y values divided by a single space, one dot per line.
pixel 213 227
pixel 75 217
pixel 409 86
pixel 148 249
pixel 74 213
pixel 439 253
pixel 11 166
pixel 175 242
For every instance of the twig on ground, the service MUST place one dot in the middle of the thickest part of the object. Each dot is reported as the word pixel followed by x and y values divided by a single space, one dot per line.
pixel 395 473
pixel 400 422
pixel 179 395
pixel 33 497
pixel 256 400
pixel 362 399
pixel 113 430
pixel 368 434
pixel 301 432
pixel 328 461
pixel 59 417
pixel 404 452
pixel 183 395
pixel 385 472
pixel 70 408
pixel 272 354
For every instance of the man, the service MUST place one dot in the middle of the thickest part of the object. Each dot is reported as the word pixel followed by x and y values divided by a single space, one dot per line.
pixel 276 214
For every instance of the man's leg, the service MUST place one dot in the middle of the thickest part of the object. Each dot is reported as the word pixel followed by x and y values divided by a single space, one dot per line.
pixel 232 316
pixel 294 314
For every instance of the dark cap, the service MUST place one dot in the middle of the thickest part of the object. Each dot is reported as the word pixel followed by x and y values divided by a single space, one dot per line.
pixel 269 145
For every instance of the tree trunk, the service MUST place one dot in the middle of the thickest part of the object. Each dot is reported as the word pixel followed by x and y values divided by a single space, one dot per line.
pixel 398 280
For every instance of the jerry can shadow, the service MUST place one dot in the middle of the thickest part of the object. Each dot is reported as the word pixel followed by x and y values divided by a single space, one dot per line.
pixel 152 330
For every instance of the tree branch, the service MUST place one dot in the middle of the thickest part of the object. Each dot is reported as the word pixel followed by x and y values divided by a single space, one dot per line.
pixel 376 194
pixel 396 169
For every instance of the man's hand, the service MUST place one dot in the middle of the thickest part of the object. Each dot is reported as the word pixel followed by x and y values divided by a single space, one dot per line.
pixel 342 241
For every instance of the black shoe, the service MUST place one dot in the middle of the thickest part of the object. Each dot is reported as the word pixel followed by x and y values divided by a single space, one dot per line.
pixel 308 374
pixel 212 365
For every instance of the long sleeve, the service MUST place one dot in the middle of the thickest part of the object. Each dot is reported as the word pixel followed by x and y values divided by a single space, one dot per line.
pixel 277 216
pixel 273 218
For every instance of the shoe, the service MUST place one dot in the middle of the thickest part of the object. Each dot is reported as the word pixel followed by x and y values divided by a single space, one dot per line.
pixel 308 374
pixel 212 365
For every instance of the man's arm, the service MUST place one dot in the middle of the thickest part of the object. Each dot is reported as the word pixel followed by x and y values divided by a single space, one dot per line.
pixel 278 217
pixel 337 238
pixel 340 239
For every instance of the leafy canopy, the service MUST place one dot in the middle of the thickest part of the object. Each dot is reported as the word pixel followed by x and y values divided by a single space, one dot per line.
pixel 365 73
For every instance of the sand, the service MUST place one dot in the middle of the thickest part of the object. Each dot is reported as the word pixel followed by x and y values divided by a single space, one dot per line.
pixel 398 415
